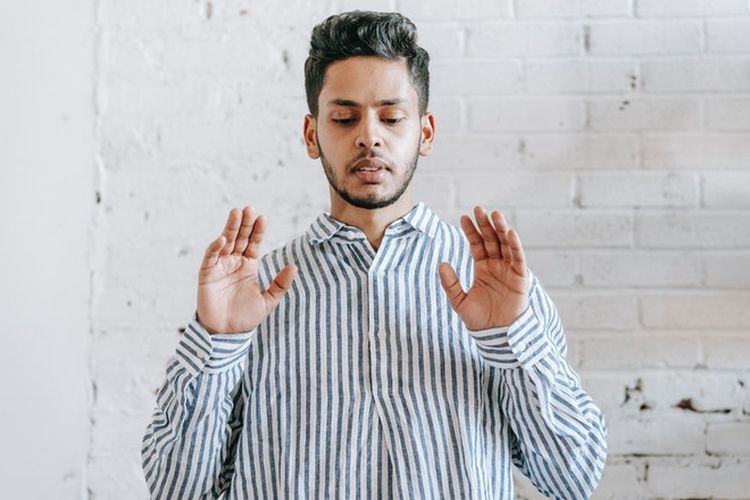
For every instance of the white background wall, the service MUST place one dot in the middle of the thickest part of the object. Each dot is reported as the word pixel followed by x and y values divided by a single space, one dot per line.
pixel 615 134
pixel 46 233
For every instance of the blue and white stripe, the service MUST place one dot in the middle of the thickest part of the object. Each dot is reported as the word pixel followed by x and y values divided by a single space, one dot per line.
pixel 364 383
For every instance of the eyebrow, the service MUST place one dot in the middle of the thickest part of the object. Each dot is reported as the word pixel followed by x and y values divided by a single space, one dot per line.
pixel 355 104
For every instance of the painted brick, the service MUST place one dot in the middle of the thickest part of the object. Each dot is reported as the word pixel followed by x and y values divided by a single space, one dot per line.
pixel 687 480
pixel 644 37
pixel 489 41
pixel 644 114
pixel 628 268
pixel 565 9
pixel 693 229
pixel 680 8
pixel 726 190
pixel 728 114
pixel 559 76
pixel 580 151
pixel 696 310
pixel 504 189
pixel 575 228
pixel 697 74
pixel 638 190
pixel 709 151
pixel 525 115
pixel 728 36
pixel 727 269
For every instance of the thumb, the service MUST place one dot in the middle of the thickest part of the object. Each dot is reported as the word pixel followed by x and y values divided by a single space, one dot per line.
pixel 280 285
pixel 451 284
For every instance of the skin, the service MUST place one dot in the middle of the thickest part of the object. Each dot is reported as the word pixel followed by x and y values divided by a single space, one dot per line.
pixel 368 108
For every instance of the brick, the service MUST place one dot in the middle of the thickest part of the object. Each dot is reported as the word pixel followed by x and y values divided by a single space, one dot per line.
pixel 727 269
pixel 469 78
pixel 696 310
pixel 728 114
pixel 597 310
pixel 580 151
pixel 473 152
pixel 705 74
pixel 726 190
pixel 708 392
pixel 575 228
pixel 493 40
pixel 728 438
pixel 726 353
pixel 644 114
pixel 662 435
pixel 580 76
pixel 452 9
pixel 708 151
pixel 566 9
pixel 635 189
pixel 644 37
pixel 508 115
pixel 621 481
pixel 641 269
pixel 555 268
pixel 691 480
pixel 449 113
pixel 442 40
pixel 685 8
pixel 728 36
pixel 516 189
pixel 692 229
pixel 638 352
pixel 434 190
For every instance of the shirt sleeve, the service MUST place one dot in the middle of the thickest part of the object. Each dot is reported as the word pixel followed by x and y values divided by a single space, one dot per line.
pixel 189 446
pixel 559 434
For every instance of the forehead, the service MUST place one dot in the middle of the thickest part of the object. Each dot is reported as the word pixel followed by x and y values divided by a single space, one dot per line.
pixel 367 80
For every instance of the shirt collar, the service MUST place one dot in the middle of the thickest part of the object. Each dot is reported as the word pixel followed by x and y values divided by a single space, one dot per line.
pixel 419 218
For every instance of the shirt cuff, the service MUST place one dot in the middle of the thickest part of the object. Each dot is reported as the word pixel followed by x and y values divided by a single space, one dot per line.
pixel 199 351
pixel 523 342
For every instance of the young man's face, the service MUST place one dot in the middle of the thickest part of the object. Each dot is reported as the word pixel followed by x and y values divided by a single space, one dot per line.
pixel 368 133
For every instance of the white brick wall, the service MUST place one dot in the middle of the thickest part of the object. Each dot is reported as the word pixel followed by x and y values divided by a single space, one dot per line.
pixel 614 134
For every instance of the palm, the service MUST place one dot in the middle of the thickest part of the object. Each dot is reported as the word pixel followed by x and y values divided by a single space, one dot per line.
pixel 499 292
pixel 230 299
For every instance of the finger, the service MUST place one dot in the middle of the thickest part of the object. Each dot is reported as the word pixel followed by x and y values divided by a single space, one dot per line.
pixel 256 238
pixel 212 252
pixel 476 242
pixel 279 286
pixel 246 227
pixel 451 284
pixel 491 243
pixel 230 230
pixel 518 261
pixel 501 228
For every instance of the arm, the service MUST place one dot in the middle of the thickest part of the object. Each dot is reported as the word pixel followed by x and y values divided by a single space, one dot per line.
pixel 560 434
pixel 189 446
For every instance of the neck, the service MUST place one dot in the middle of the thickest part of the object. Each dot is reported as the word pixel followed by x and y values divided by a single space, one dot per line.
pixel 372 222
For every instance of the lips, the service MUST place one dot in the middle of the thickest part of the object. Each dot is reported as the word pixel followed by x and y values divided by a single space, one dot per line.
pixel 370 170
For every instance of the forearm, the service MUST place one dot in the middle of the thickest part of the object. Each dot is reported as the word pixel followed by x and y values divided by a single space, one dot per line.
pixel 559 431
pixel 193 426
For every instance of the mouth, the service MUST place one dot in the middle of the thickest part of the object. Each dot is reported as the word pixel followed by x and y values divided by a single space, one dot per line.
pixel 370 165
pixel 370 170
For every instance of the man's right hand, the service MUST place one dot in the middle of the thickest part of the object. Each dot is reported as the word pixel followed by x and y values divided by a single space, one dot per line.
pixel 229 296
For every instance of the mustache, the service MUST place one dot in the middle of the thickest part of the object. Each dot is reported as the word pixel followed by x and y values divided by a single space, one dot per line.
pixel 372 155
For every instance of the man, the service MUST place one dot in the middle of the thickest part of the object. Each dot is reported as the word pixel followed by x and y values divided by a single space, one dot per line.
pixel 351 362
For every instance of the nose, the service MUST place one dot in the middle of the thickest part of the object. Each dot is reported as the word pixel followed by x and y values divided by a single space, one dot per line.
pixel 368 133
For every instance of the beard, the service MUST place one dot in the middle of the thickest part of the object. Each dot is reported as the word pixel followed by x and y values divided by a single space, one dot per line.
pixel 371 201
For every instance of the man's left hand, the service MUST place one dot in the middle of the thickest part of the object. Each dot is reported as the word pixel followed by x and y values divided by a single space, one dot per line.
pixel 499 293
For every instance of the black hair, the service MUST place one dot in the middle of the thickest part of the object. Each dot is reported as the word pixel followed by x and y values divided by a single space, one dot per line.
pixel 365 33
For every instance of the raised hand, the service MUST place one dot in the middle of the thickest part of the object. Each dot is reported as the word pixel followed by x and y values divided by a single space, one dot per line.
pixel 229 296
pixel 499 293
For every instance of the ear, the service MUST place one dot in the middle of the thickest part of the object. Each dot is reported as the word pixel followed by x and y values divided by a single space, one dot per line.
pixel 427 133
pixel 308 132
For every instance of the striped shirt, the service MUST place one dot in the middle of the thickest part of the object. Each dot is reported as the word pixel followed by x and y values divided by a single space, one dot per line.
pixel 364 383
